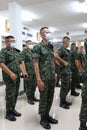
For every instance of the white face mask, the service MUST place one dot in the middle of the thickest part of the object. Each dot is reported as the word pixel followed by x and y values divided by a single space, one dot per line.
pixel 12 45
pixel 49 37
pixel 30 47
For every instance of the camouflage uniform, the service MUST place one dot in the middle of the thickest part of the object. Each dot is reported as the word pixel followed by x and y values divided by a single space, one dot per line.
pixel 12 60
pixel 75 74
pixel 83 111
pixel 83 75
pixel 57 71
pixel 45 55
pixel 65 72
pixel 30 82
pixel 82 58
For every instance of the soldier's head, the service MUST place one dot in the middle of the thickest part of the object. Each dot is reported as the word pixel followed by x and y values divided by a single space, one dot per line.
pixel 29 44
pixel 81 49
pixel 10 41
pixel 66 41
pixel 73 46
pixel 45 34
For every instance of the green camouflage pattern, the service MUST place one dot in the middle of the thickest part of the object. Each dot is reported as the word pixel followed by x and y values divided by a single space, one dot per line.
pixel 46 97
pixel 27 57
pixel 30 86
pixel 57 71
pixel 30 82
pixel 83 74
pixel 73 56
pixel 12 60
pixel 83 112
pixel 65 72
pixel 45 55
pixel 75 74
pixel 82 58
pixel 12 89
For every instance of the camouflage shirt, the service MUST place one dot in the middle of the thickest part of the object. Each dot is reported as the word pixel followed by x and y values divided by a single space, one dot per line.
pixel 45 55
pixel 73 56
pixel 82 58
pixel 65 55
pixel 27 57
pixel 11 59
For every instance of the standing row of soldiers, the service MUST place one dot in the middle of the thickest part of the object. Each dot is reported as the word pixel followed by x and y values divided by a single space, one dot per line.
pixel 73 66
pixel 13 62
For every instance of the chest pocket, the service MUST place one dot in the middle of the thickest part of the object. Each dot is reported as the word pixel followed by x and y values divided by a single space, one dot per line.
pixel 28 57
pixel 46 53
pixel 11 57
pixel 65 55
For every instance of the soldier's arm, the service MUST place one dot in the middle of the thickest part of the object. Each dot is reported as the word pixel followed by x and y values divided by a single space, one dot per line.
pixel 37 72
pixel 22 64
pixel 77 63
pixel 8 71
pixel 60 60
pixel 23 69
pixel 76 60
pixel 36 68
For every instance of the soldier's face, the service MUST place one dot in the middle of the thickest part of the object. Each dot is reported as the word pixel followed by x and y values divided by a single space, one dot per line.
pixel 81 48
pixel 73 47
pixel 44 32
pixel 67 42
pixel 9 41
pixel 28 43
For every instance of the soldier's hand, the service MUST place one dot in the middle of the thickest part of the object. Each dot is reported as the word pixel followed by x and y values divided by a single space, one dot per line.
pixel 40 85
pixel 13 76
pixel 25 75
pixel 65 64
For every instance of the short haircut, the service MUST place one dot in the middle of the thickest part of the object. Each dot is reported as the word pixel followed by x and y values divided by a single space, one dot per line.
pixel 66 37
pixel 28 41
pixel 73 44
pixel 43 29
pixel 10 36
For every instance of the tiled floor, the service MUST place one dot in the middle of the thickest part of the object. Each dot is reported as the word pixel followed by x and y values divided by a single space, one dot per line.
pixel 68 119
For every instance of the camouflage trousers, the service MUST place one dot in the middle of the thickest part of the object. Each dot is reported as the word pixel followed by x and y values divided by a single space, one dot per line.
pixel 46 97
pixel 57 71
pixel 83 111
pixel 75 80
pixel 30 85
pixel 12 89
pixel 65 85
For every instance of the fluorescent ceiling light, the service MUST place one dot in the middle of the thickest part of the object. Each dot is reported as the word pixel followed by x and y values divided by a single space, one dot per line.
pixel 3 18
pixel 80 7
pixel 84 25
pixel 27 16
pixel 52 29
pixel 56 40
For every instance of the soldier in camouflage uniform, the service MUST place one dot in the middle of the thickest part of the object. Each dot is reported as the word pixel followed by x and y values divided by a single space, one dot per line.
pixel 57 71
pixel 10 62
pixel 29 82
pixel 63 55
pixel 81 57
pixel 83 112
pixel 75 68
pixel 45 74
pixel 82 60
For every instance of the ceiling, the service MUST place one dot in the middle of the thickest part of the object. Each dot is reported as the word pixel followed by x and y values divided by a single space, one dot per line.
pixel 60 14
